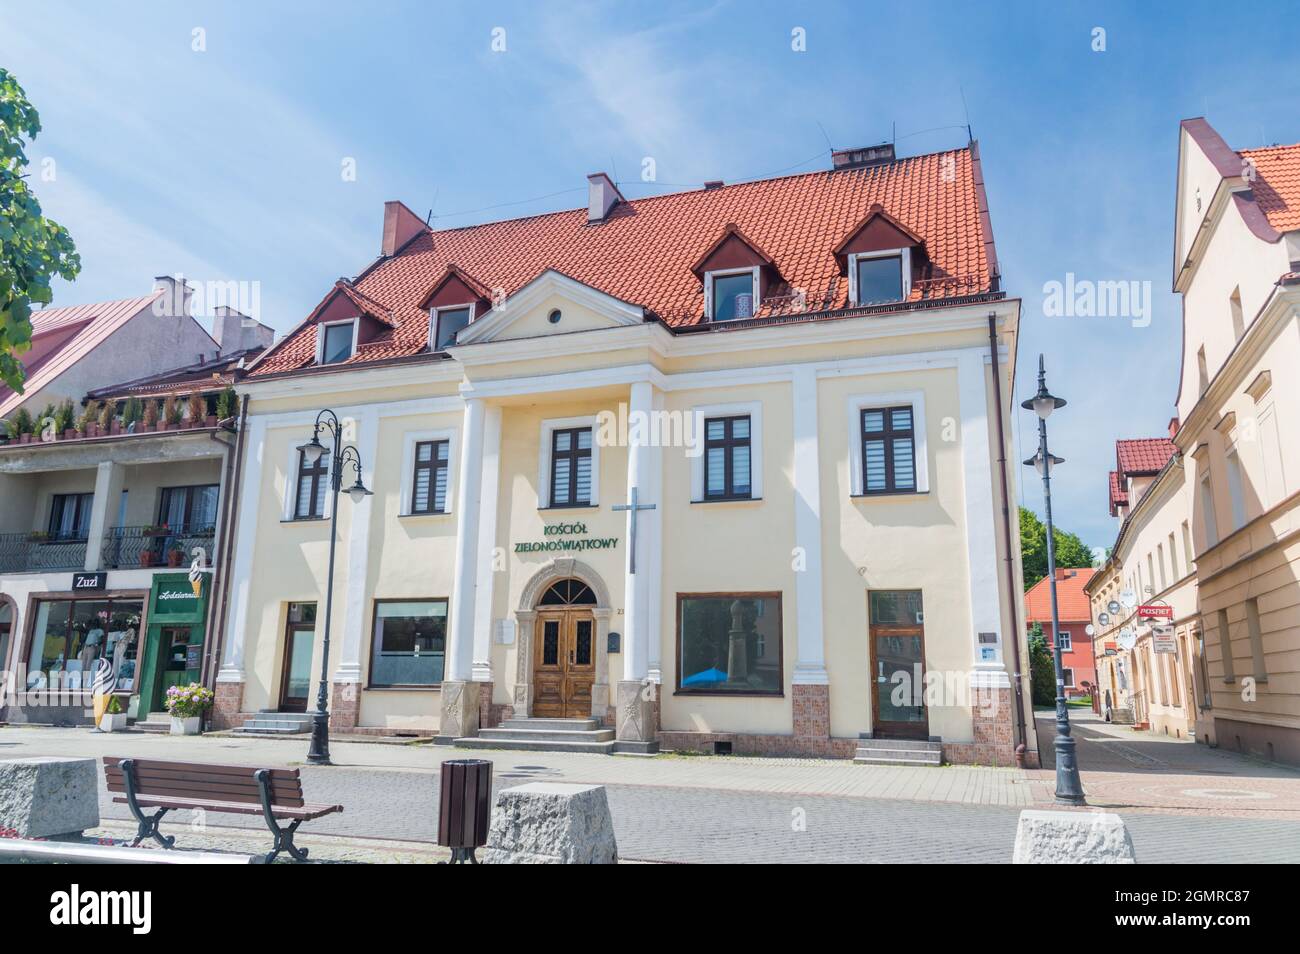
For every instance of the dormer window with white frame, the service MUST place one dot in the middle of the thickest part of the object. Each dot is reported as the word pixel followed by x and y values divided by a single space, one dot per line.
pixel 878 278
pixel 731 294
pixel 336 341
pixel 446 322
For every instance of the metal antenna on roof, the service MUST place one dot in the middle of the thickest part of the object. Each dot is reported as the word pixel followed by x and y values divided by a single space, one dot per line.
pixel 970 136
pixel 827 138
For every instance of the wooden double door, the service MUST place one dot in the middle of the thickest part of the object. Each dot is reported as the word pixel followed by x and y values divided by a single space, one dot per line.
pixel 564 663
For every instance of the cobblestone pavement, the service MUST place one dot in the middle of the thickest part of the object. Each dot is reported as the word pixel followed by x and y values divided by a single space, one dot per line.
pixel 1130 771
pixel 665 810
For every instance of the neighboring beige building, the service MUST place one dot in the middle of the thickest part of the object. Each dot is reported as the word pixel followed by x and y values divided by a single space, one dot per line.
pixel 1149 682
pixel 1236 249
pixel 825 364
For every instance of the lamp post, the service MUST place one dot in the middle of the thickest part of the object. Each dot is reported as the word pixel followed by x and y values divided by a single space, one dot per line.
pixel 339 456
pixel 1069 788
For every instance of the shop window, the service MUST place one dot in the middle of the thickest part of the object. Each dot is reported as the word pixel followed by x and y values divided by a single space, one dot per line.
pixel 729 643
pixel 69 638
pixel 409 643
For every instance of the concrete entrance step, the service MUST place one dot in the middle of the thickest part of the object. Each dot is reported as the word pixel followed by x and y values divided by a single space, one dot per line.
pixel 536 745
pixel 898 752
pixel 548 735
pixel 276 723
pixel 562 725
pixel 154 724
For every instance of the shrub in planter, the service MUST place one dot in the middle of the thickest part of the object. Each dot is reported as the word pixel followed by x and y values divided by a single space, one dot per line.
pixel 132 412
pixel 171 412
pixel 149 416
pixel 196 409
pixel 147 557
pixel 107 417
pixel 226 404
pixel 187 705
pixel 175 557
pixel 113 719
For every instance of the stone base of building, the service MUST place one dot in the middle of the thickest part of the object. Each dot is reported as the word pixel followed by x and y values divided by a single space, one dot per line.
pixel 1274 743
pixel 746 743
pixel 345 706
pixel 637 712
pixel 227 702
pixel 993 731
pixel 812 711
pixel 460 710
pixel 491 714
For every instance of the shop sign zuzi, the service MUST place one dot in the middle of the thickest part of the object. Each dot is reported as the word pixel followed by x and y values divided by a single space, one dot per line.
pixel 89 581
pixel 566 536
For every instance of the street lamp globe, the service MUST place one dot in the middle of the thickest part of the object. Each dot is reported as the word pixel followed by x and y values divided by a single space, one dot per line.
pixel 1037 462
pixel 358 491
pixel 313 449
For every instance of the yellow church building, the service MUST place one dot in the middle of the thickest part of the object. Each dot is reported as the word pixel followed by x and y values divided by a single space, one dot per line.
pixel 725 470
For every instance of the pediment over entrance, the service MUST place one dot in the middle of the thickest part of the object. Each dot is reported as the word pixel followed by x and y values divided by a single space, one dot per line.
pixel 530 312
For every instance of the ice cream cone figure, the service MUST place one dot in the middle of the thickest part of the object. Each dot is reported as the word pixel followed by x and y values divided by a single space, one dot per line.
pixel 197 570
pixel 197 583
pixel 102 687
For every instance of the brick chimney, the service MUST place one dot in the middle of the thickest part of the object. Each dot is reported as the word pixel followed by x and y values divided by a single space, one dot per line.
pixel 400 226
pixel 1173 427
pixel 602 196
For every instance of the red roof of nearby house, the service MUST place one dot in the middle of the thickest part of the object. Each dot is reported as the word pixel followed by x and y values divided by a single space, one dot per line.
pixel 1277 184
pixel 1142 456
pixel 63 336
pixel 1071 601
pixel 1118 495
pixel 643 252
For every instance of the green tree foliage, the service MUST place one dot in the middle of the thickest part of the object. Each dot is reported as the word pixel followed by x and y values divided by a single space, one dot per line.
pixel 1070 550
pixel 33 249
pixel 1042 670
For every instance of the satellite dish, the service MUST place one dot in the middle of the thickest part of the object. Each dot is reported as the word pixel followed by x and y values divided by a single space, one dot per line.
pixel 1103 618
pixel 1114 607
pixel 1127 638
pixel 1128 598
pixel 1089 629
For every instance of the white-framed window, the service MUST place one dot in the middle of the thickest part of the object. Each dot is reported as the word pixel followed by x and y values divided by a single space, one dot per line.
pixel 731 294
pixel 877 278
pixel 887 445
pixel 445 322
pixel 574 466
pixel 1207 511
pixel 1067 674
pixel 1063 637
pixel 306 490
pixel 700 469
pixel 429 471
pixel 336 341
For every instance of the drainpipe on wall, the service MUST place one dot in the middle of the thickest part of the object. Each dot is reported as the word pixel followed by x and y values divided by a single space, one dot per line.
pixel 220 578
pixel 1013 598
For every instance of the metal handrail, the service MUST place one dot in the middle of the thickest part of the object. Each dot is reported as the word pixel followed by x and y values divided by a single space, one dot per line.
pixel 150 545
pixel 27 552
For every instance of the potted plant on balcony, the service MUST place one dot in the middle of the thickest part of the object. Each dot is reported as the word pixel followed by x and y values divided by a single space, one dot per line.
pixel 21 426
pixel 38 536
pixel 175 557
pixel 113 719
pixel 187 705
pixel 226 404
pixel 171 412
pixel 196 410
pixel 88 422
pixel 106 418
pixel 149 416
pixel 132 412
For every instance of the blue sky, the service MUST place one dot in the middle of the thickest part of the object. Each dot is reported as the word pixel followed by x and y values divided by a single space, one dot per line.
pixel 226 163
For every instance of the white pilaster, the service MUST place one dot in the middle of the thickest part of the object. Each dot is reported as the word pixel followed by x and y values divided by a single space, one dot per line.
pixel 241 567
pixel 653 525
pixel 358 548
pixel 487 541
pixel 981 541
pixel 103 507
pixel 642 459
pixel 810 663
pixel 460 646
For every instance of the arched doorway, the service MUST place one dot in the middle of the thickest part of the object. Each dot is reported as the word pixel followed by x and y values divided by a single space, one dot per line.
pixel 562 664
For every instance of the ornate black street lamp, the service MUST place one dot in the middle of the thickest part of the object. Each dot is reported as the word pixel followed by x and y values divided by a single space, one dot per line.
pixel 319 754
pixel 1069 788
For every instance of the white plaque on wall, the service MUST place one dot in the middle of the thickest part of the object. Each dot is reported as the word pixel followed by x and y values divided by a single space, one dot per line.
pixel 505 632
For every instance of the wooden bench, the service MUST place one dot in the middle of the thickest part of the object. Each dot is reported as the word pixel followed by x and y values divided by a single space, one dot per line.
pixel 276 794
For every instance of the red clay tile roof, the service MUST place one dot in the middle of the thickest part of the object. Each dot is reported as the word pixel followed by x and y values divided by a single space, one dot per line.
pixel 643 252
pixel 1118 495
pixel 1277 185
pixel 63 336
pixel 1143 456
pixel 1072 603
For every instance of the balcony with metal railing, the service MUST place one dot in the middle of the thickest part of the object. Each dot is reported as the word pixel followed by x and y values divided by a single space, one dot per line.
pixel 153 546
pixel 35 552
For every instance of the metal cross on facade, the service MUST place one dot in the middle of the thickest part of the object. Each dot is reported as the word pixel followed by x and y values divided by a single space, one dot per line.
pixel 632 506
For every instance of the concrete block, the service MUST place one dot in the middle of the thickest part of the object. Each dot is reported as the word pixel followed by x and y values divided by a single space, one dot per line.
pixel 1072 838
pixel 45 796
pixel 551 823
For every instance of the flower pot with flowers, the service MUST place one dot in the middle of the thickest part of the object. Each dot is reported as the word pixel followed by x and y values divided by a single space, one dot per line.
pixel 186 705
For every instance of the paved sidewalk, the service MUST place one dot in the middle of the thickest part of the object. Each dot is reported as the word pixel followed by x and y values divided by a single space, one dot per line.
pixel 1126 770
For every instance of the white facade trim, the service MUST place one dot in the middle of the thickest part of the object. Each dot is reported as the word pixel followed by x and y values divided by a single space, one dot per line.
pixel 550 426
pixel 857 403
pixel 905 257
pixel 642 461
pixel 487 541
pixel 754 410
pixel 550 283
pixel 241 568
pixel 409 439
pixel 977 495
pixel 460 636
pixel 652 526
pixel 810 659
pixel 356 608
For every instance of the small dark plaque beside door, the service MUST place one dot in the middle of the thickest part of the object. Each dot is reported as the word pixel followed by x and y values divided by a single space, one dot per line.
pixel 613 644
pixel 193 656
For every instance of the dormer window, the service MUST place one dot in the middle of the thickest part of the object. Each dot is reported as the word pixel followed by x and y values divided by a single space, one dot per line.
pixel 336 341
pixel 880 277
pixel 445 323
pixel 731 295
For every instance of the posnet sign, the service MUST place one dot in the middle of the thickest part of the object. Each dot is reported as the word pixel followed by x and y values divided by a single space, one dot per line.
pixel 76 907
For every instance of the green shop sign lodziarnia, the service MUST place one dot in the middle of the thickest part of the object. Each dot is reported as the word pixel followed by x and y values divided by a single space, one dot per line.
pixel 565 536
